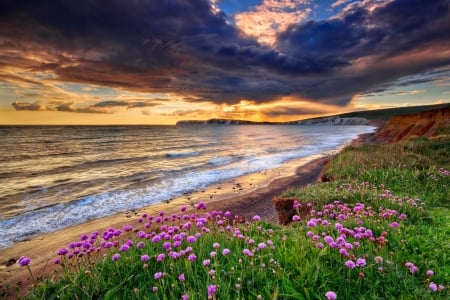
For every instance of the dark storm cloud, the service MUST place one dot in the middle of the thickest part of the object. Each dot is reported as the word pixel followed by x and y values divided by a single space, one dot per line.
pixel 181 46
pixel 106 107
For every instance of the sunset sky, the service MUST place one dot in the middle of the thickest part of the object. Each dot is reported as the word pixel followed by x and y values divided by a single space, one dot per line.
pixel 160 61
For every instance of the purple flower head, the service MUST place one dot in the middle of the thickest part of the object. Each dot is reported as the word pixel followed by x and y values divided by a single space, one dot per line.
pixel 331 295
pixel 140 245
pixel 181 277
pixel 145 258
pixel 247 252
pixel 360 262
pixel 124 248
pixel 226 251
pixel 394 225
pixel 212 289
pixel 201 205
pixel 115 257
pixel 57 261
pixel 296 218
pixel 185 297
pixel 24 261
pixel 262 246
pixel 256 218
pixel 192 257
pixel 312 223
pixel 296 204
pixel 213 253
pixel 206 262
pixel 430 273
pixel 216 245
pixel 433 286
pixel 158 275
pixel 350 264
pixel 183 208
pixel 62 251
pixel 160 257
pixel 212 272
pixel 128 228
pixel 191 239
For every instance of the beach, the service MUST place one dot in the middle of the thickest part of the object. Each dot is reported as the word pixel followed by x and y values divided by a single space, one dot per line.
pixel 258 201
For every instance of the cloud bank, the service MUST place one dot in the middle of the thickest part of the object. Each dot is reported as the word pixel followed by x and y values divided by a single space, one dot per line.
pixel 190 48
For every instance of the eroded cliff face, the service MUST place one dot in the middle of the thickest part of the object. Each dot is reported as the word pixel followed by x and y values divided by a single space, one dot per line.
pixel 402 127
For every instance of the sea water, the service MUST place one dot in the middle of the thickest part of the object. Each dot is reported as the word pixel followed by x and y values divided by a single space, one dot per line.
pixel 53 177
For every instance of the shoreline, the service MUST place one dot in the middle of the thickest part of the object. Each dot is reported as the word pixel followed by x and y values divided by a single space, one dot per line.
pixel 240 196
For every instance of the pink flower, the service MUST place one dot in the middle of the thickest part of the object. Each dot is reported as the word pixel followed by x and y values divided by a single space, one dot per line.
pixel 185 297
pixel 256 218
pixel 296 218
pixel 192 257
pixel 158 275
pixel 115 257
pixel 360 262
pixel 247 252
pixel 181 277
pixel 433 286
pixel 394 225
pixel 201 205
pixel 160 257
pixel 191 239
pixel 262 246
pixel 216 245
pixel 430 273
pixel 206 262
pixel 145 258
pixel 331 295
pixel 350 264
pixel 24 261
pixel 212 289
pixel 226 251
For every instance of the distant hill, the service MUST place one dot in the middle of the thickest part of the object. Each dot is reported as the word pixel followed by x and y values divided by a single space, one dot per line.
pixel 385 114
pixel 375 117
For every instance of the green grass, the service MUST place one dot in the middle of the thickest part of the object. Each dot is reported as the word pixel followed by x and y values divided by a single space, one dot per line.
pixel 387 207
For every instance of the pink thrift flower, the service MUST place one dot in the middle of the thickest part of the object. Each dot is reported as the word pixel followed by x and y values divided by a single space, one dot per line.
pixel 145 258
pixel 430 273
pixel 226 251
pixel 296 218
pixel 331 295
pixel 181 277
pixel 216 245
pixel 247 252
pixel 206 262
pixel 212 289
pixel 394 225
pixel 256 218
pixel 350 264
pixel 433 286
pixel 24 261
pixel 192 257
pixel 262 246
pixel 360 262
pixel 160 257
pixel 185 297
pixel 115 257
pixel 159 275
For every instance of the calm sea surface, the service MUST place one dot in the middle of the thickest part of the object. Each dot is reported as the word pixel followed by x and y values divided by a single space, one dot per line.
pixel 52 177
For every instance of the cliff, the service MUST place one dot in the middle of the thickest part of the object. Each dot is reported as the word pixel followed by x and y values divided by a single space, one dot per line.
pixel 335 120
pixel 402 127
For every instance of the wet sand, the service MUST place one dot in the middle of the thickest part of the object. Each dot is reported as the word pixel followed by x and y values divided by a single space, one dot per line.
pixel 244 196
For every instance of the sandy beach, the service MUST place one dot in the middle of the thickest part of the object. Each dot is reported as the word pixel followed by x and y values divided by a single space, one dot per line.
pixel 246 196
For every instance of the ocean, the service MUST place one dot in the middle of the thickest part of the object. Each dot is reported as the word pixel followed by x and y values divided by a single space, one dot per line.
pixel 53 177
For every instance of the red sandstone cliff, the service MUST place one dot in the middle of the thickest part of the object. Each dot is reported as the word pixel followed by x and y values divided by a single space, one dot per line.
pixel 402 127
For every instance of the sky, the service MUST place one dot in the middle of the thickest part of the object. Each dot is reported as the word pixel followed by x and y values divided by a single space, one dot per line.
pixel 160 61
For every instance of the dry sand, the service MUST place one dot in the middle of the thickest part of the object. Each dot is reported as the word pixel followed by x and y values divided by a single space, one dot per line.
pixel 245 196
